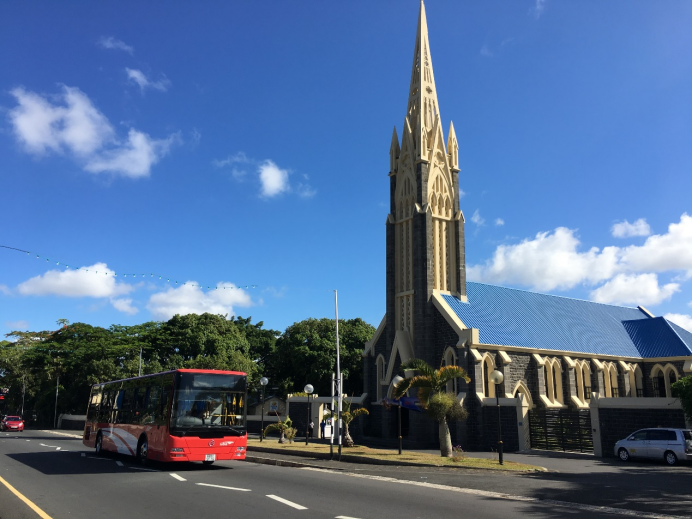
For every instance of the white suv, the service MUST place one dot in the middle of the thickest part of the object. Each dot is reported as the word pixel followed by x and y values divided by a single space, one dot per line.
pixel 670 444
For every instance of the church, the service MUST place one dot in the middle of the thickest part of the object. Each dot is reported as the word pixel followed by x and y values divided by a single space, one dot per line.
pixel 578 375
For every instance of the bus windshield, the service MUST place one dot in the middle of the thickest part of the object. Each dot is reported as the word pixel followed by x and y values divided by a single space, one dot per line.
pixel 208 405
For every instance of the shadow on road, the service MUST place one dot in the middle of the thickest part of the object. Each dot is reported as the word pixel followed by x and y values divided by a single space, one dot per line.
pixel 641 487
pixel 64 462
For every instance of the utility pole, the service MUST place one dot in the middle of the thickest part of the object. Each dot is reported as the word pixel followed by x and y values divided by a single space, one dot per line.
pixel 339 381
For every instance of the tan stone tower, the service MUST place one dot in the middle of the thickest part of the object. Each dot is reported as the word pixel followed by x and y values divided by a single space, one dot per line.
pixel 425 227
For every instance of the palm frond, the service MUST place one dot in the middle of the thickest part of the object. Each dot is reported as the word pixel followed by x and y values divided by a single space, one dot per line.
pixel 420 366
pixel 447 373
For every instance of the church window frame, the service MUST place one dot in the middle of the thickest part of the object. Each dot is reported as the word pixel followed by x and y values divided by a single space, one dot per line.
pixel 380 368
pixel 450 359
pixel 488 366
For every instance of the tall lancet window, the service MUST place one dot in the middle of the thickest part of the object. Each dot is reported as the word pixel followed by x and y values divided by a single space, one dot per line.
pixel 440 201
pixel 404 286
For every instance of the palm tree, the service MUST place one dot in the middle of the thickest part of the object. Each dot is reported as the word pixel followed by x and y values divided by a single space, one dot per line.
pixel 439 404
pixel 347 416
pixel 286 430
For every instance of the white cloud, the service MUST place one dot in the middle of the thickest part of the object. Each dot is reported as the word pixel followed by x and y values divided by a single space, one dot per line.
pixel 112 43
pixel 124 305
pixel 639 228
pixel 188 299
pixel 240 157
pixel 637 289
pixel 462 193
pixel 94 281
pixel 553 261
pixel 538 10
pixel 5 290
pixel 671 251
pixel 134 158
pixel 500 222
pixel 486 52
pixel 682 320
pixel 137 76
pixel 477 218
pixel 273 179
pixel 17 325
pixel 549 261
pixel 76 127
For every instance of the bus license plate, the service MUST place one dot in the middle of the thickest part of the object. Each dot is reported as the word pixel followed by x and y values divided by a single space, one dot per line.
pixel 211 457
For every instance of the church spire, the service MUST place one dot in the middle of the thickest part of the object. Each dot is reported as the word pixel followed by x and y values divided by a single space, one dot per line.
pixel 422 109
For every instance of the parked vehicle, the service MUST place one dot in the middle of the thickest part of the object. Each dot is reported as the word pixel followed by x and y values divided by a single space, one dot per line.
pixel 12 423
pixel 668 444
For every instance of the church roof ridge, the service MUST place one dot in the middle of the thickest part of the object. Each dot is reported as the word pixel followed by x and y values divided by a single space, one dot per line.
pixel 557 296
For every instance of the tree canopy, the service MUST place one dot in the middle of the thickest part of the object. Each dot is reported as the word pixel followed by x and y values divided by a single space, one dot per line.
pixel 79 355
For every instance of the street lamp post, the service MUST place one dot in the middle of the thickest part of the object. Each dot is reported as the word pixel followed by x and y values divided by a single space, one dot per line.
pixel 496 378
pixel 395 382
pixel 263 383
pixel 308 389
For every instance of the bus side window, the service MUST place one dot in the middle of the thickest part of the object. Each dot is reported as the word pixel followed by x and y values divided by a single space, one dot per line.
pixel 153 405
pixel 165 404
pixel 139 399
pixel 94 402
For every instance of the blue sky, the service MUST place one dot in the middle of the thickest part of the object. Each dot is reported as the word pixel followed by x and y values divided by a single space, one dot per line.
pixel 238 144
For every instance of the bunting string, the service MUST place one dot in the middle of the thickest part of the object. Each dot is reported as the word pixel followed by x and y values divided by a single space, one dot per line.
pixel 132 275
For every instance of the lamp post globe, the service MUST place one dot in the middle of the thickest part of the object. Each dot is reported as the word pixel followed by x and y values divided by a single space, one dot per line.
pixel 263 383
pixel 496 377
pixel 308 389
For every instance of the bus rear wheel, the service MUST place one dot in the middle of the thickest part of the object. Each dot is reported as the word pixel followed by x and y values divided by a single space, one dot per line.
pixel 142 449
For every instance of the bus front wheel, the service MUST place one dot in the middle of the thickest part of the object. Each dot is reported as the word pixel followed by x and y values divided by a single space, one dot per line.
pixel 142 449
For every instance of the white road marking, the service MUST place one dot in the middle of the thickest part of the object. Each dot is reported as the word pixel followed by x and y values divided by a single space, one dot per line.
pixel 119 463
pixel 63 434
pixel 27 440
pixel 48 446
pixel 178 477
pixel 347 517
pixel 285 501
pixel 222 487
pixel 507 496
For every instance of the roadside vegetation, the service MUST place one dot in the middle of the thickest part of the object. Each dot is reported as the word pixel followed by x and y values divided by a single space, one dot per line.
pixel 33 364
pixel 391 456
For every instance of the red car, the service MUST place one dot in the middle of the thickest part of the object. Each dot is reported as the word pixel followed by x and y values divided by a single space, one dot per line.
pixel 12 423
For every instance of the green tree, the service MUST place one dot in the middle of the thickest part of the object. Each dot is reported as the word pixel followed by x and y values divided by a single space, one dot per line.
pixel 307 352
pixel 438 403
pixel 348 415
pixel 682 390
pixel 285 428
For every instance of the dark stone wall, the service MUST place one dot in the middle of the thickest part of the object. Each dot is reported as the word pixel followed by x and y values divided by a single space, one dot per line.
pixel 617 423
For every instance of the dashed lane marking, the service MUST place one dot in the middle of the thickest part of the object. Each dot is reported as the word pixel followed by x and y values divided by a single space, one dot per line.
pixel 222 487
pixel 178 477
pixel 49 446
pixel 507 496
pixel 24 499
pixel 287 502
pixel 119 463
pixel 63 434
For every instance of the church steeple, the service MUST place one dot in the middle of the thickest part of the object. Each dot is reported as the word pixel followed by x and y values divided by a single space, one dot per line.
pixel 422 108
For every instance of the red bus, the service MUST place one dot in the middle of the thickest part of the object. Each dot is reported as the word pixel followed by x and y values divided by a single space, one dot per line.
pixel 181 415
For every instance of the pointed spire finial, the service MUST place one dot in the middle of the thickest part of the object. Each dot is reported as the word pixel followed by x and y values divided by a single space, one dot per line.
pixel 422 108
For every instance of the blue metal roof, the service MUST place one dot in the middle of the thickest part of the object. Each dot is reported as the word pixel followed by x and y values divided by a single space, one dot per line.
pixel 518 318
pixel 657 338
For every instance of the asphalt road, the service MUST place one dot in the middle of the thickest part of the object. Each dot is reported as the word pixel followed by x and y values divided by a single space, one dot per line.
pixel 65 480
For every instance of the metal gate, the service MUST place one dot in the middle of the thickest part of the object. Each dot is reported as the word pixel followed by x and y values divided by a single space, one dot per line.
pixel 561 430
